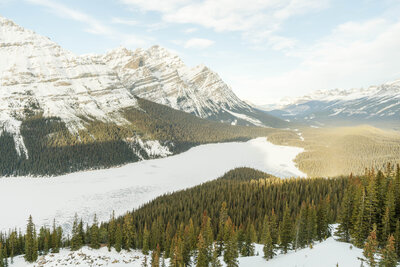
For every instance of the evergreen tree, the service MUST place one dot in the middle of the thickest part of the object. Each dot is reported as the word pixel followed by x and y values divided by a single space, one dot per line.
pixel 231 252
pixel 31 245
pixel 55 239
pixel 112 227
pixel 269 247
pixel 128 231
pixel 215 262
pixel 202 253
pixel 146 235
pixel 371 248
pixel 389 257
pixel 155 257
pixel 345 214
pixel 76 239
pixel 118 239
pixel 286 230
pixel 223 217
pixel 94 234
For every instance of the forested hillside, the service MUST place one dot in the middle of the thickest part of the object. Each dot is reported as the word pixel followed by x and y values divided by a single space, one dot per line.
pixel 347 149
pixel 223 216
pixel 52 149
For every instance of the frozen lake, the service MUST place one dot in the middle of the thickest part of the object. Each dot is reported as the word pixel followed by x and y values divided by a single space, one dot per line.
pixel 129 186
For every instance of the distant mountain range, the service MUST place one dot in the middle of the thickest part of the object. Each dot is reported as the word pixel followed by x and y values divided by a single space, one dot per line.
pixel 376 105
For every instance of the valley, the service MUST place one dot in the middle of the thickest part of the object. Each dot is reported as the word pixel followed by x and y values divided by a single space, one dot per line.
pixel 127 187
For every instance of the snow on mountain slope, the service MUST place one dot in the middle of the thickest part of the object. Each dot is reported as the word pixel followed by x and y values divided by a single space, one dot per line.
pixel 160 76
pixel 376 104
pixel 328 253
pixel 37 75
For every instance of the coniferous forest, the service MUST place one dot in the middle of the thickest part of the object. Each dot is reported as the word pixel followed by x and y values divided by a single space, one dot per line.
pixel 53 149
pixel 225 217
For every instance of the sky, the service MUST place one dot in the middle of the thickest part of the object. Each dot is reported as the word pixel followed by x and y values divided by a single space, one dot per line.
pixel 266 50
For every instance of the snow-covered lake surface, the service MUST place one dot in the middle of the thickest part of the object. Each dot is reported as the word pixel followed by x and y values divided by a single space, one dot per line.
pixel 124 188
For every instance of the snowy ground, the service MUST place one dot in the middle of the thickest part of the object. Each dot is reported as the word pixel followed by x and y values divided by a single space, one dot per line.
pixel 325 254
pixel 127 187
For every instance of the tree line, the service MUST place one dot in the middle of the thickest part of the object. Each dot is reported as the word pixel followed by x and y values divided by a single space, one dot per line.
pixel 370 215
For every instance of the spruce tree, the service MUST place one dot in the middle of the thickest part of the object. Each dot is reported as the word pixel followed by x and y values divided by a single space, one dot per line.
pixel 31 245
pixel 269 248
pixel 371 248
pixel 389 257
pixel 155 257
pixel 94 234
pixel 112 227
pixel 146 246
pixel 118 239
pixel 286 230
pixel 202 253
pixel 128 231
pixel 215 262
pixel 76 239
pixel 231 251
pixel 55 248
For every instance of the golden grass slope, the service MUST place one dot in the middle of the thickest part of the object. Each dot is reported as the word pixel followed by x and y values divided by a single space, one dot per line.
pixel 342 150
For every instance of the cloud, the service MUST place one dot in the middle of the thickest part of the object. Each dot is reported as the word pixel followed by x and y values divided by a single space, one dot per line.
pixel 198 43
pixel 190 30
pixel 353 55
pixel 92 25
pixel 257 20
pixel 128 22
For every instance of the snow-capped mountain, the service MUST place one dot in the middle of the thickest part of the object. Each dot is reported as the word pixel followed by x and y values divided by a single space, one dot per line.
pixel 160 76
pixel 378 105
pixel 37 75
pixel 61 112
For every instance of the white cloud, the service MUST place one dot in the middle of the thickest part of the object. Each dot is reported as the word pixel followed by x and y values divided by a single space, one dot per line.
pixel 190 30
pixel 123 21
pixel 258 20
pixel 198 43
pixel 92 25
pixel 355 54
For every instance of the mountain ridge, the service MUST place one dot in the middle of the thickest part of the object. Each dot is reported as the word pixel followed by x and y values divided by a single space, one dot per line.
pixel 377 105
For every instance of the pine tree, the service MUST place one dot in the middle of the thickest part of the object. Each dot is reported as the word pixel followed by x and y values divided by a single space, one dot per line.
pixel 111 232
pixel 55 248
pixel 128 231
pixel 31 245
pixel 371 248
pixel 248 248
pixel 389 257
pixel 155 257
pixel 146 235
pixel 231 251
pixel 76 239
pixel 94 234
pixel 273 223
pixel 223 216
pixel 118 239
pixel 345 214
pixel 286 230
pixel 215 262
pixel 202 253
pixel 269 248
